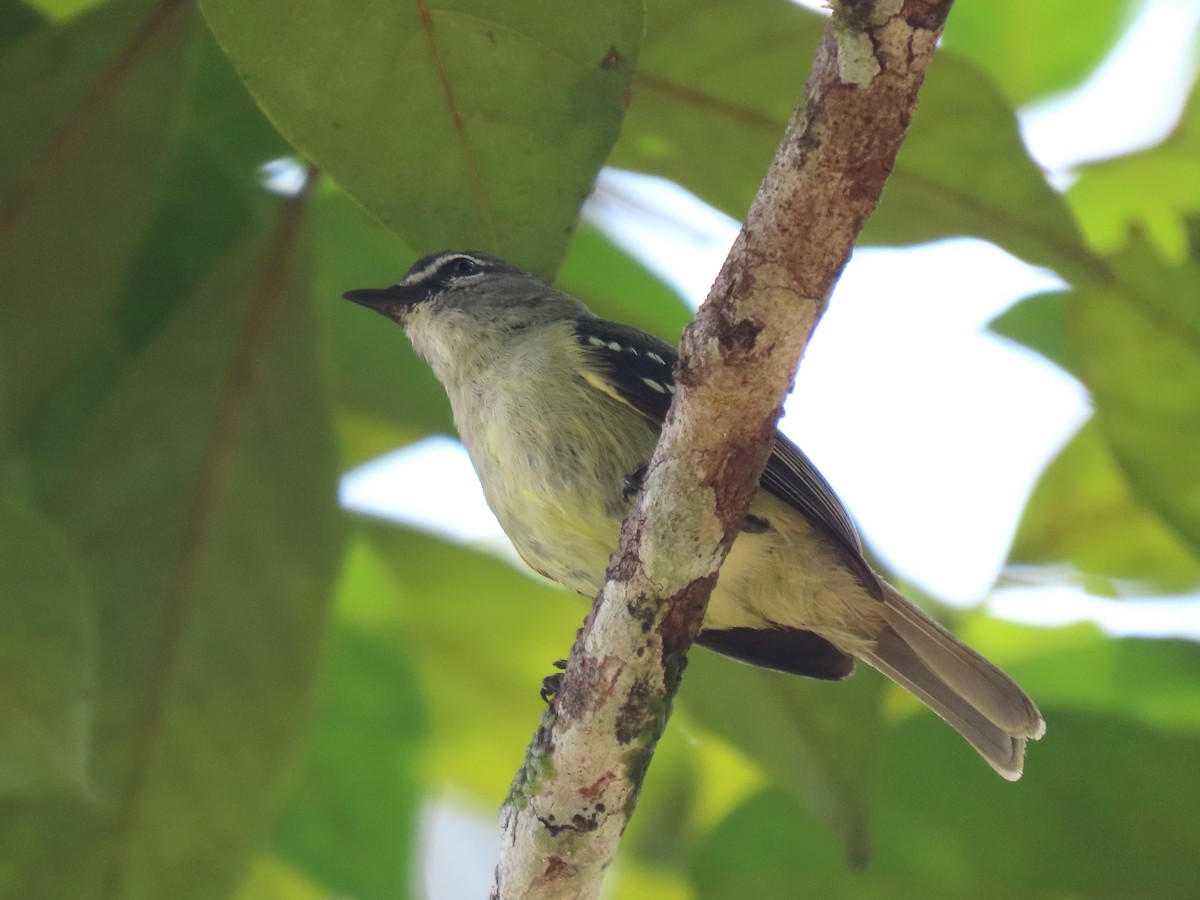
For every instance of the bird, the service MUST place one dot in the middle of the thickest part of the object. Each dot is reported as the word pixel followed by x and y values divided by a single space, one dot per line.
pixel 560 411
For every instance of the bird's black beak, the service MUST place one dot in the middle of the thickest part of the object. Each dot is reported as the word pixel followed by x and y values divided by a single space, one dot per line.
pixel 392 301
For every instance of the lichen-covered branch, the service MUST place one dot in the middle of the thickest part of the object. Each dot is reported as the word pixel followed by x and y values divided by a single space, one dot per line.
pixel 571 801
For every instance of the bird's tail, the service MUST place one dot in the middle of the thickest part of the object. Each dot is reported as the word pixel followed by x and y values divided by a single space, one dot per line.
pixel 983 704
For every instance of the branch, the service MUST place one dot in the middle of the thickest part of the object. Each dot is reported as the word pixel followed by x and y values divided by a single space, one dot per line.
pixel 571 801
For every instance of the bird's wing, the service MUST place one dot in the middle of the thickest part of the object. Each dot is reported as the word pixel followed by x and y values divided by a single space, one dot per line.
pixel 637 369
pixel 631 366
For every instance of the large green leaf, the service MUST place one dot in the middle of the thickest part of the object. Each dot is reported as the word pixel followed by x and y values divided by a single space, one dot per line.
pixel 1039 322
pixel 63 9
pixel 1153 193
pixel 17 20
pixel 47 656
pixel 1123 500
pixel 1044 837
pixel 210 201
pixel 818 739
pixel 91 112
pixel 350 820
pixel 202 216
pixel 1083 512
pixel 666 820
pixel 224 117
pixel 202 500
pixel 768 847
pixel 1081 824
pixel 272 879
pixel 1032 48
pixel 713 94
pixel 483 637
pixel 964 169
pixel 1150 682
pixel 1138 345
pixel 468 123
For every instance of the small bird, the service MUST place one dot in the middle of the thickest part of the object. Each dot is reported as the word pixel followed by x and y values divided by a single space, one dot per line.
pixel 560 411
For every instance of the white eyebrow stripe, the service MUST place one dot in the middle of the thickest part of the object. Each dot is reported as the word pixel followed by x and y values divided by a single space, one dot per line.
pixel 435 266
pixel 414 277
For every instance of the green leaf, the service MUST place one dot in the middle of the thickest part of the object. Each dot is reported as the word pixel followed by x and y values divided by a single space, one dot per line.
pixel 17 20
pixel 350 820
pixel 964 170
pixel 724 78
pixel 1040 323
pixel 1031 48
pixel 941 820
pixel 272 879
pixel 1150 682
pixel 668 820
pixel 1138 345
pixel 203 215
pixel 767 847
pixel 223 116
pixel 1129 508
pixel 92 112
pixel 58 10
pixel 484 637
pixel 471 123
pixel 1079 824
pixel 1083 512
pixel 1150 194
pixel 713 91
pixel 817 739
pixel 47 656
pixel 202 501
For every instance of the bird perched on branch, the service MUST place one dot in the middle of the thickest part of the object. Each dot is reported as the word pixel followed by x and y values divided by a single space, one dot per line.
pixel 560 411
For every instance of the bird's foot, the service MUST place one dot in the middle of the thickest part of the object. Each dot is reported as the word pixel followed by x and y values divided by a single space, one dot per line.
pixel 551 684
pixel 633 482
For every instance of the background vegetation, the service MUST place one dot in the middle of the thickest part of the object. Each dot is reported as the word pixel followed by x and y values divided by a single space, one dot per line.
pixel 214 683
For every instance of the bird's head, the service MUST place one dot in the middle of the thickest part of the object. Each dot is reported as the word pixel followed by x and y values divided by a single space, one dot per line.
pixel 457 306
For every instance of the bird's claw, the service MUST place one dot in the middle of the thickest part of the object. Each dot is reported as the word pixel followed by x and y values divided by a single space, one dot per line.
pixel 633 482
pixel 551 684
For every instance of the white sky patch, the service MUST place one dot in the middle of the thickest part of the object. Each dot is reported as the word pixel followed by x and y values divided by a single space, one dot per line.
pixel 932 430
pixel 1058 605
pixel 451 835
pixel 429 485
pixel 1130 102
pixel 285 176
pixel 670 231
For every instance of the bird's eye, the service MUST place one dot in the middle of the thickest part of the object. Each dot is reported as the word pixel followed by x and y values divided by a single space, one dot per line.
pixel 463 266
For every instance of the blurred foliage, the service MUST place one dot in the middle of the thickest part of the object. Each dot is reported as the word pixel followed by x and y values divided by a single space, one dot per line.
pixel 213 684
pixel 504 162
